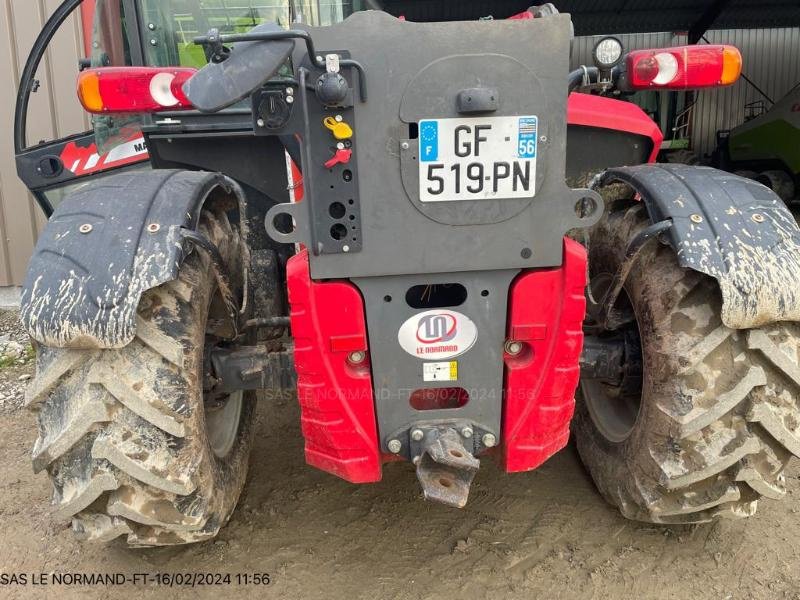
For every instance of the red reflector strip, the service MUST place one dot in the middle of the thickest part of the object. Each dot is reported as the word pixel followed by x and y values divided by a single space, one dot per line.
pixel 683 67
pixel 133 89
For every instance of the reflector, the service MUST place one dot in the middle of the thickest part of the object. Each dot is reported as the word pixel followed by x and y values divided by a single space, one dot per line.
pixel 133 89
pixel 683 67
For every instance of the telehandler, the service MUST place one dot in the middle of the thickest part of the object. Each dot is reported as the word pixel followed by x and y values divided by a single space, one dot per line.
pixel 434 231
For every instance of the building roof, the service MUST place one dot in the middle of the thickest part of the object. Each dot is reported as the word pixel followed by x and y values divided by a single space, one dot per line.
pixel 618 16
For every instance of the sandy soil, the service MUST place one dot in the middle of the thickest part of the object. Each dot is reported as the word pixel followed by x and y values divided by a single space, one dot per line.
pixel 545 534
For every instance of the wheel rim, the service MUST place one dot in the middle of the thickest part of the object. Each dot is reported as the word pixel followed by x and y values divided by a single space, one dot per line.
pixel 614 407
pixel 614 417
pixel 222 424
pixel 223 413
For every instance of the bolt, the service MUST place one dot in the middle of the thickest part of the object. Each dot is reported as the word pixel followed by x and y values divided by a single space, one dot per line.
pixel 85 228
pixel 513 347
pixel 153 227
pixel 394 446
pixel 151 26
pixel 758 217
pixel 489 440
pixel 543 139
pixel 357 357
pixel 319 59
pixel 467 432
pixel 260 122
pixel 154 42
pixel 289 99
pixel 338 118
pixel 289 91
pixel 695 218
pixel 404 145
pixel 345 248
pixel 417 435
pixel 340 145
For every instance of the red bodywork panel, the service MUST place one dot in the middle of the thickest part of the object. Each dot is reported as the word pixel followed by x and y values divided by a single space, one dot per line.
pixel 546 310
pixel 86 160
pixel 80 155
pixel 525 15
pixel 607 113
pixel 336 401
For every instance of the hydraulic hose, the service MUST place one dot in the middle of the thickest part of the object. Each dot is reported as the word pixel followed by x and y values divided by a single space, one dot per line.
pixel 576 77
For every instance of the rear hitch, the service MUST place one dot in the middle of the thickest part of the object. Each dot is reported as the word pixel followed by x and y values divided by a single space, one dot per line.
pixel 445 468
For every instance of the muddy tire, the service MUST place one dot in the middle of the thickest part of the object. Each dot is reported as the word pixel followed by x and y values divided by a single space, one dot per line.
pixel 716 419
pixel 125 435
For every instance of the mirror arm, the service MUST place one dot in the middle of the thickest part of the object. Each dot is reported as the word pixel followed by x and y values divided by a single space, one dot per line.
pixel 214 39
pixel 217 44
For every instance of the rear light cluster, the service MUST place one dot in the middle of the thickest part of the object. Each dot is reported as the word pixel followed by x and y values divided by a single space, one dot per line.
pixel 133 89
pixel 683 67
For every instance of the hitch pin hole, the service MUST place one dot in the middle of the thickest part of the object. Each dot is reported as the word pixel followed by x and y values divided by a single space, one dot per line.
pixel 585 207
pixel 283 223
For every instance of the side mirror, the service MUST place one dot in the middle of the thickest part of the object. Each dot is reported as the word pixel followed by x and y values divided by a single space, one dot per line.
pixel 248 66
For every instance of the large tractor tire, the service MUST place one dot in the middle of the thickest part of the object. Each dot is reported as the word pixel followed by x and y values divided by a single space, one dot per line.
pixel 706 417
pixel 129 443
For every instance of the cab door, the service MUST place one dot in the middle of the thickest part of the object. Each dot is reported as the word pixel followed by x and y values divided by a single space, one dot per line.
pixel 57 146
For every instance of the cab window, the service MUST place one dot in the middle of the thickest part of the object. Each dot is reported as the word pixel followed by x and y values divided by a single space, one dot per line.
pixel 170 25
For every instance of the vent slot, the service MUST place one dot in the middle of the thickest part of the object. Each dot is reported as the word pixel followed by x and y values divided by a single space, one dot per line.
pixel 438 295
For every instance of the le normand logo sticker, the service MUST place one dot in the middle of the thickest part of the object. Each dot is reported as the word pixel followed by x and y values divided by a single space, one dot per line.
pixel 437 334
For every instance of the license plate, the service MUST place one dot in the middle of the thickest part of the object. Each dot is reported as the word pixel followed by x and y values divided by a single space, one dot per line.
pixel 477 159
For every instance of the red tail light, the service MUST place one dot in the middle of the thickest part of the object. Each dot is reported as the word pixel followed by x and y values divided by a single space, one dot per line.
pixel 133 89
pixel 683 67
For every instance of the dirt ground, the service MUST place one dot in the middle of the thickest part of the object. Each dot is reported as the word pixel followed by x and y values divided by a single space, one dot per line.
pixel 545 534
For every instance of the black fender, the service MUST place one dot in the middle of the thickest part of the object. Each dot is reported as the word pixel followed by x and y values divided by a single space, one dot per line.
pixel 107 243
pixel 730 228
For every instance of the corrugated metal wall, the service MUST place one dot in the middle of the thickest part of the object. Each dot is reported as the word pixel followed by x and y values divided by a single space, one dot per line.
pixel 771 61
pixel 54 112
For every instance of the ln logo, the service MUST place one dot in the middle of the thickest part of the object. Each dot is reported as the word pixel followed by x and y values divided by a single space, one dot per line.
pixel 436 334
pixel 437 328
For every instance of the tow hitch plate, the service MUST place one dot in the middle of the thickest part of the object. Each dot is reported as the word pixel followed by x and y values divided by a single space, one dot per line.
pixel 445 468
pixel 477 158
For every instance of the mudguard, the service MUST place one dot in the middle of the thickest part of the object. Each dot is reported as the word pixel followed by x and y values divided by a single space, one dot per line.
pixel 730 228
pixel 106 244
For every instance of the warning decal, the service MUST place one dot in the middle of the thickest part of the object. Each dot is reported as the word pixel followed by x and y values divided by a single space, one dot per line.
pixel 440 371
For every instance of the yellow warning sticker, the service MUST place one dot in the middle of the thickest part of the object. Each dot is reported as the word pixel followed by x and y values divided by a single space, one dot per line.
pixel 440 371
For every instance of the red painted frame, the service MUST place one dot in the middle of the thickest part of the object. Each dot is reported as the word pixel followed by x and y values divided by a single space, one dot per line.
pixel 546 311
pixel 608 113
pixel 87 22
pixel 336 398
